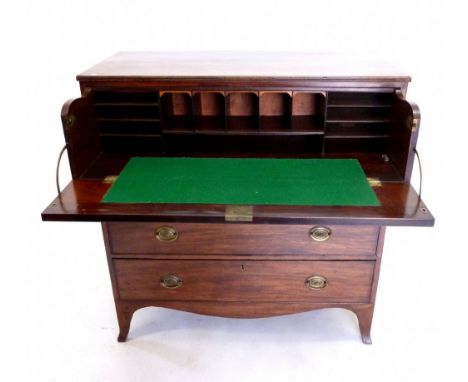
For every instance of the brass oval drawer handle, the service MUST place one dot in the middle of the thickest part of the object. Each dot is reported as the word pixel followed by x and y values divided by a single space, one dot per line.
pixel 316 282
pixel 320 233
pixel 166 233
pixel 171 281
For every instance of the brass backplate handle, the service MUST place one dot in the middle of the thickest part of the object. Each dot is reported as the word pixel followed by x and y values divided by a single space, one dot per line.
pixel 171 281
pixel 166 233
pixel 316 282
pixel 320 233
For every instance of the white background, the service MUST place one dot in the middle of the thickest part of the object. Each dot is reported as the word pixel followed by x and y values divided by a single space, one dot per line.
pixel 57 315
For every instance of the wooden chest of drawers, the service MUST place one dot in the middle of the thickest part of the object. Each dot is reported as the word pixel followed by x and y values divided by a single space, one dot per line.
pixel 276 258
pixel 243 270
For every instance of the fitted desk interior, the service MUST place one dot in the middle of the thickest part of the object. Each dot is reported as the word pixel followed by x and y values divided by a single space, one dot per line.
pixel 241 256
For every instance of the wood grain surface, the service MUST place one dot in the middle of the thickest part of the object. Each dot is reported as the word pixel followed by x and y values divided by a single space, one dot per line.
pixel 242 64
pixel 81 201
pixel 348 281
pixel 241 239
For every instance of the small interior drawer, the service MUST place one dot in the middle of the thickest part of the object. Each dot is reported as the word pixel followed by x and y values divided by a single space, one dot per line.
pixel 241 239
pixel 313 281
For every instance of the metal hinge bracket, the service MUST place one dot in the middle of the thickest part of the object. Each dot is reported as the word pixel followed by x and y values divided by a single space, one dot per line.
pixel 239 213
pixel 374 182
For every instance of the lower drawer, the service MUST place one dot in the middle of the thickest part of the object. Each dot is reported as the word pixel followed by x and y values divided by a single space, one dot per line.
pixel 312 281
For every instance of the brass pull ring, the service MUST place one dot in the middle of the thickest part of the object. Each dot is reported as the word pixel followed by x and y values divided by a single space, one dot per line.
pixel 316 282
pixel 320 233
pixel 171 281
pixel 166 233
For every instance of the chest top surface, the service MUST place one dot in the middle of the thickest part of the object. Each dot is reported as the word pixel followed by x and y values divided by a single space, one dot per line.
pixel 262 65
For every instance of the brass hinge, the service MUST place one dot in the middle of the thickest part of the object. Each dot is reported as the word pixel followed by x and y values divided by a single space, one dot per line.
pixel 415 125
pixel 69 120
pixel 412 124
pixel 239 214
pixel 109 179
pixel 374 182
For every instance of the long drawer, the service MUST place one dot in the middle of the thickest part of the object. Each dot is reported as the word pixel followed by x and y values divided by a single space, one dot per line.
pixel 287 281
pixel 254 239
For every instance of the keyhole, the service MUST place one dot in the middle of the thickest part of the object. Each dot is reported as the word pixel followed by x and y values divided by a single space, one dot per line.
pixel 243 267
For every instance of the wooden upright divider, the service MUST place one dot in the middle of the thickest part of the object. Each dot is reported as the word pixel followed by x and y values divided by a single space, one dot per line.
pixel 209 111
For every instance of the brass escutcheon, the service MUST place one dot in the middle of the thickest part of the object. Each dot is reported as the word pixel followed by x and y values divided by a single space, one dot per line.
pixel 166 233
pixel 316 282
pixel 320 233
pixel 171 281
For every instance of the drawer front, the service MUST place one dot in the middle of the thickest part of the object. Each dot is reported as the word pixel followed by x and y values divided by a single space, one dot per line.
pixel 288 281
pixel 240 239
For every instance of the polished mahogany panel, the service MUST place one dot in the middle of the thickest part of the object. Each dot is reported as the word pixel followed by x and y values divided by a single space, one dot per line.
pixel 81 201
pixel 240 239
pixel 346 281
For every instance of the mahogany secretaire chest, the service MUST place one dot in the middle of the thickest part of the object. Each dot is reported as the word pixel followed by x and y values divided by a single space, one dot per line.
pixel 216 219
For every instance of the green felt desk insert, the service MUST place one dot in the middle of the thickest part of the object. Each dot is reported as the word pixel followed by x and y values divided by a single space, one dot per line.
pixel 314 182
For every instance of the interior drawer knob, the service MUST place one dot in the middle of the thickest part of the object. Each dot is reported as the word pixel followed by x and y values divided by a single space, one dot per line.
pixel 316 282
pixel 171 281
pixel 320 233
pixel 166 233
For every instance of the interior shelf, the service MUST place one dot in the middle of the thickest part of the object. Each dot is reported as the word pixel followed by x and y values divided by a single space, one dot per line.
pixel 242 104
pixel 360 99
pixel 352 105
pixel 208 104
pixel 126 117
pixel 371 120
pixel 358 113
pixel 357 121
pixel 294 121
pixel 125 97
pixel 275 104
pixel 350 144
pixel 176 104
pixel 242 110
pixel 126 104
pixel 356 136
pixel 242 113
pixel 129 135
pixel 356 129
